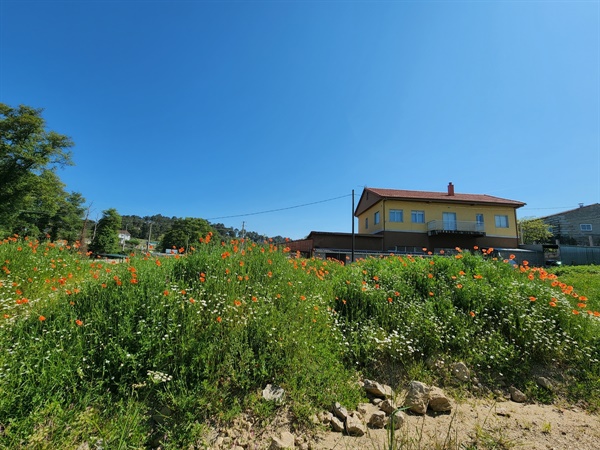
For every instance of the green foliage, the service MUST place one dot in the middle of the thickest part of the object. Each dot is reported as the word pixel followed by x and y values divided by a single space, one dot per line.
pixel 185 233
pixel 146 352
pixel 534 231
pixel 30 191
pixel 106 238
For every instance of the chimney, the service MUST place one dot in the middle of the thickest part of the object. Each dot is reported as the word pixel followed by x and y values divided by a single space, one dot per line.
pixel 450 189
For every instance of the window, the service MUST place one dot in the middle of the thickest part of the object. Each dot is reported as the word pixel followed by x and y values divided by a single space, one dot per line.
pixel 396 215
pixel 501 221
pixel 366 223
pixel 585 226
pixel 417 216
pixel 479 226
pixel 376 218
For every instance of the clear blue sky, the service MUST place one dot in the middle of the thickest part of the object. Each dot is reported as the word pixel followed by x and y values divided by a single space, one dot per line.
pixel 213 109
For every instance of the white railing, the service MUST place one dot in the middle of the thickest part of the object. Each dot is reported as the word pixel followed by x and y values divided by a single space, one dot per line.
pixel 455 225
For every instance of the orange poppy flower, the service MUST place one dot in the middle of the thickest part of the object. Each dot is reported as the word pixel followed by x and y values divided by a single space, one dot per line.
pixel 79 322
pixel 41 318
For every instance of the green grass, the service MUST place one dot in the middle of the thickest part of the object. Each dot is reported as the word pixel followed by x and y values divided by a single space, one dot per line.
pixel 151 351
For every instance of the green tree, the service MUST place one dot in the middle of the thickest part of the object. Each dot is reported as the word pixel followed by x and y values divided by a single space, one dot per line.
pixel 67 223
pixel 185 233
pixel 534 231
pixel 28 155
pixel 106 238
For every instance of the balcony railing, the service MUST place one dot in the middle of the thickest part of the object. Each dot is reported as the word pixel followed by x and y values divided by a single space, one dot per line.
pixel 472 228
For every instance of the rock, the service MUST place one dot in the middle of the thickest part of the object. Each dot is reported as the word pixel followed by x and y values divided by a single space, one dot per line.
pixel 545 383
pixel 285 440
pixel 387 406
pixel 378 390
pixel 434 363
pixel 83 446
pixel 354 427
pixel 376 401
pixel 336 424
pixel 417 397
pixel 273 393
pixel 516 395
pixel 363 408
pixel 378 420
pixel 397 420
pixel 438 401
pixel 339 411
pixel 460 371
pixel 324 417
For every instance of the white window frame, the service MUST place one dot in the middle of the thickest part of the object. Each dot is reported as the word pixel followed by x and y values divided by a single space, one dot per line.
pixel 376 218
pixel 417 216
pixel 501 221
pixel 585 226
pixel 396 214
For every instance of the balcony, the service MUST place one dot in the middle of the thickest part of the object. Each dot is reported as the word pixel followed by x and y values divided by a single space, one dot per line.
pixel 437 227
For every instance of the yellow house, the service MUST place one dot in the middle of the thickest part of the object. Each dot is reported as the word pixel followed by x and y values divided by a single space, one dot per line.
pixel 412 220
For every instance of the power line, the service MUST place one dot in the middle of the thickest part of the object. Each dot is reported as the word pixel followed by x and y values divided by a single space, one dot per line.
pixel 279 209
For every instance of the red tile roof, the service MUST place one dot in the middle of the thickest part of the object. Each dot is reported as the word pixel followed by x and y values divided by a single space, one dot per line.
pixel 443 196
pixel 433 197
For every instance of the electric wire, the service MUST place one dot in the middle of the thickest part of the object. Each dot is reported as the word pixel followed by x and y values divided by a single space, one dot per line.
pixel 280 209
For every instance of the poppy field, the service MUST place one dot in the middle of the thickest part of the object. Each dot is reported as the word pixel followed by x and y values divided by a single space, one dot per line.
pixel 148 351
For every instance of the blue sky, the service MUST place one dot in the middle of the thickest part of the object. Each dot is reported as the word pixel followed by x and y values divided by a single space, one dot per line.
pixel 224 108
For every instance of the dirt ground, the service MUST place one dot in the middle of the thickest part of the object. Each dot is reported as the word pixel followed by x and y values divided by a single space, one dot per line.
pixel 478 424
pixel 472 424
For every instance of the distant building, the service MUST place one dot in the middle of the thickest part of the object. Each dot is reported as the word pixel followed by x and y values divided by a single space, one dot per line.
pixel 409 220
pixel 579 226
pixel 402 221
pixel 124 236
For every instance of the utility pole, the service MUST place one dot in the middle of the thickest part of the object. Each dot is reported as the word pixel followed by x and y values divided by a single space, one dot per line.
pixel 149 236
pixel 352 258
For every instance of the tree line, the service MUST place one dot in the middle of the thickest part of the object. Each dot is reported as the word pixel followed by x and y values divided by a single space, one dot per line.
pixel 35 202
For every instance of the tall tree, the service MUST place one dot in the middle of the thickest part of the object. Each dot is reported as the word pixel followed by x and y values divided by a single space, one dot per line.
pixel 106 238
pixel 185 232
pixel 534 231
pixel 27 151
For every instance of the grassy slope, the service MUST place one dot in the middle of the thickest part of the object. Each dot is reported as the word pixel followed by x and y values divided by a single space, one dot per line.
pixel 93 351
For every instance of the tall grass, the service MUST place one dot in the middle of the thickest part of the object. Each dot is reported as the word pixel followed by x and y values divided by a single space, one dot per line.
pixel 150 350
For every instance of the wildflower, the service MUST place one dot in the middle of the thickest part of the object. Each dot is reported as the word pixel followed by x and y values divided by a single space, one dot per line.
pixel 192 300
pixel 376 278
pixel 390 300
pixel 219 319
pixel 553 304
pixel 478 277
pixel 431 294
pixel 532 299
pixel 237 303
pixel 158 263
pixel 472 314
pixel 103 285
pixel 462 272
pixel 165 292
pixel 302 297
pixel 475 247
pixel 583 298
pixel 41 318
pixel 581 305
pixel 6 316
pixel 79 322
pixel 430 275
pixel 459 286
pixel 575 312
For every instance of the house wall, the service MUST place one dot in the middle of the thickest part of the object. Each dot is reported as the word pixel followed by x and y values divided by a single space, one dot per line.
pixel 434 211
pixel 566 226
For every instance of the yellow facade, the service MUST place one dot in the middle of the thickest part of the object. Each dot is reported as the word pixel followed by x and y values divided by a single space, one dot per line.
pixel 377 218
